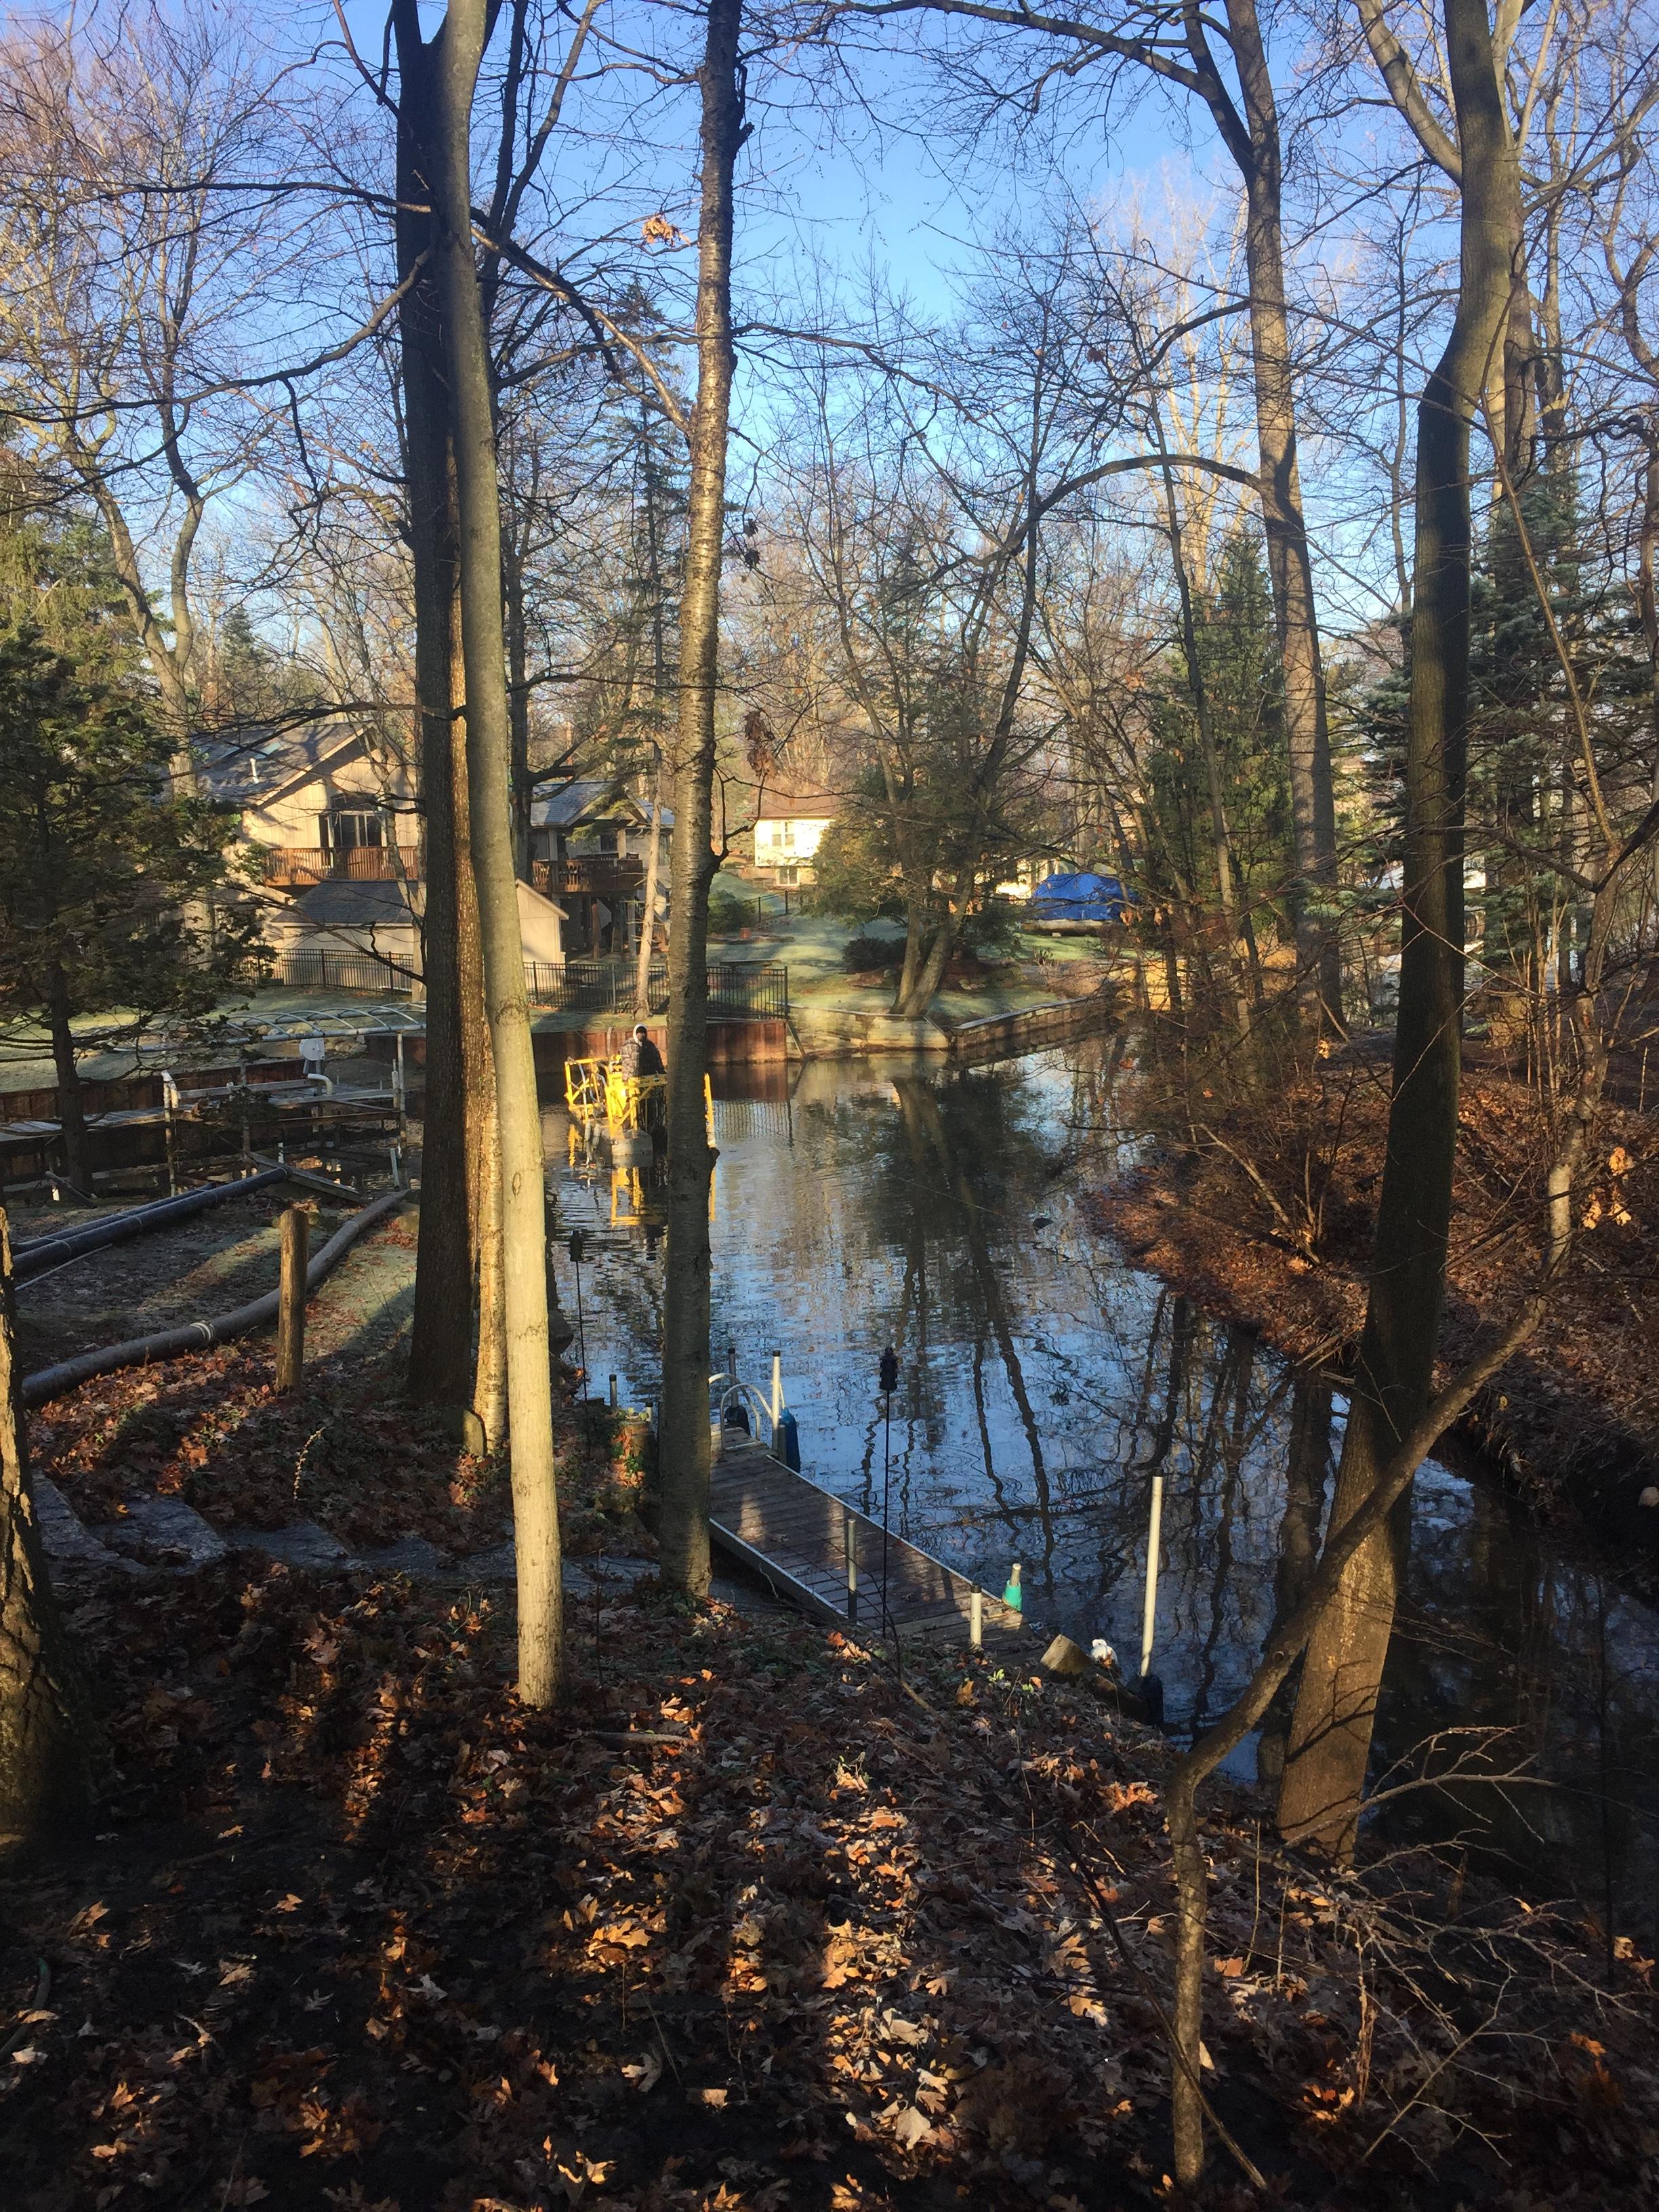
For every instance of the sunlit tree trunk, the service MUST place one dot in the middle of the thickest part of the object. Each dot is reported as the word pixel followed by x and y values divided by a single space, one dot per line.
pixel 1331 1733
pixel 684 1439
pixel 1290 567
pixel 459 50
pixel 648 909
pixel 45 1780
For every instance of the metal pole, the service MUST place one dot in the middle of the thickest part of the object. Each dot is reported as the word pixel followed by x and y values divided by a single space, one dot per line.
pixel 613 1393
pixel 295 1229
pixel 850 1544
pixel 888 1379
pixel 576 1241
pixel 1154 1539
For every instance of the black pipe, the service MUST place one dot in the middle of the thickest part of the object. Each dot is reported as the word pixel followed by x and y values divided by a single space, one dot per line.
pixel 40 1253
pixel 197 1336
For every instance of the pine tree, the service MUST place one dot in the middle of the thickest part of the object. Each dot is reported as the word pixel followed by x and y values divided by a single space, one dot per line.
pixel 104 872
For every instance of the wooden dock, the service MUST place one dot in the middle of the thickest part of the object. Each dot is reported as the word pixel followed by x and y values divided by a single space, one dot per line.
pixel 793 1534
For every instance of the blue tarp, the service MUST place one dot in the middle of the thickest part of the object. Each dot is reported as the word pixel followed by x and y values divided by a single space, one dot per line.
pixel 1083 898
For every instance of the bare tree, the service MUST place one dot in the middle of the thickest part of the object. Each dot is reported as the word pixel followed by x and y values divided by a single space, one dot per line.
pixel 1245 114
pixel 133 275
pixel 1330 1737
pixel 684 1447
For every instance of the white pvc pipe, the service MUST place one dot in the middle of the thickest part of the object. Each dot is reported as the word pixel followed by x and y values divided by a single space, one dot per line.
pixel 1154 1541
pixel 777 1387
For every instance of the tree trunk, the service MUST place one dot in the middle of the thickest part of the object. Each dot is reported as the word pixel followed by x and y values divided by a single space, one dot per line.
pixel 649 910
pixel 459 50
pixel 684 1441
pixel 518 693
pixel 71 1109
pixel 440 1338
pixel 1220 843
pixel 1306 1462
pixel 1290 569
pixel 485 1275
pixel 1331 1733
pixel 490 1379
pixel 46 1787
pixel 916 901
pixel 917 991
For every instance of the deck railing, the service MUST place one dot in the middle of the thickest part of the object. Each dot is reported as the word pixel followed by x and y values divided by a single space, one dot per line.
pixel 357 864
pixel 605 876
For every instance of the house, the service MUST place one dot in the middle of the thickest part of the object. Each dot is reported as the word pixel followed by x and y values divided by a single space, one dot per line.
pixel 590 844
pixel 321 804
pixel 333 825
pixel 789 827
pixel 383 921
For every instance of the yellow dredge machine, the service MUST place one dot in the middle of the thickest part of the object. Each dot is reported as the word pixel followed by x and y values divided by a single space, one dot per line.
pixel 596 1092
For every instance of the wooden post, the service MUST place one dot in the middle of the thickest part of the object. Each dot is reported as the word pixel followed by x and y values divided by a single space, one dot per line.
pixel 291 1306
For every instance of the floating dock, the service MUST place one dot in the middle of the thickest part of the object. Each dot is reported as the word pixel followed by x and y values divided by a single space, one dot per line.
pixel 799 1537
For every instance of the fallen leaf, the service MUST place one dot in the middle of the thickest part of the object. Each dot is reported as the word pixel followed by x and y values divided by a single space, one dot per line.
pixel 646 2074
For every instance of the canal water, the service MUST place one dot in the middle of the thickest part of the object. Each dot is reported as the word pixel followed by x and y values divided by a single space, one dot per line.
pixel 1043 1382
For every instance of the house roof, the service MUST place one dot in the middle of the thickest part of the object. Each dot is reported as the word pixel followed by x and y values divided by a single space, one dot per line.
pixel 252 769
pixel 821 806
pixel 347 905
pixel 588 799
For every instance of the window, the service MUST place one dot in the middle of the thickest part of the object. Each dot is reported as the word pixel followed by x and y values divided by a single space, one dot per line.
pixel 786 836
pixel 343 832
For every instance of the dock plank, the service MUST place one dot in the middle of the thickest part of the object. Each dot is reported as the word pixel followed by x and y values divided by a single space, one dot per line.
pixel 792 1530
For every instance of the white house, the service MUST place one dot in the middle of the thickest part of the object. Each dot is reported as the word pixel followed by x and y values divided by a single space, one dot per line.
pixel 789 828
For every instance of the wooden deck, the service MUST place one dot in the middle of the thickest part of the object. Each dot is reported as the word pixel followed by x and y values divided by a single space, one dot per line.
pixel 793 1534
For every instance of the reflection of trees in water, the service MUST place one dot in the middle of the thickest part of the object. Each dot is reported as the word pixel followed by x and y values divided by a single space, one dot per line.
pixel 905 1211
pixel 933 1148
pixel 1497 1631
pixel 1307 1465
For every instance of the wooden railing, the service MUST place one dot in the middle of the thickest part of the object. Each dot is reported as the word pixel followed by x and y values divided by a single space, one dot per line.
pixel 605 877
pixel 360 864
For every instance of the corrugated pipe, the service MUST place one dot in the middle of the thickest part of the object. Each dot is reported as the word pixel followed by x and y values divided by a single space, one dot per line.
pixel 41 1253
pixel 197 1335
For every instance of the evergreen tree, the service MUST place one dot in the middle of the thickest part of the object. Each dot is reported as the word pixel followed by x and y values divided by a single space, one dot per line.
pixel 1239 653
pixel 105 874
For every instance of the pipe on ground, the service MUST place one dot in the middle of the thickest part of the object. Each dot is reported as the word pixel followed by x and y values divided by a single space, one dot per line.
pixel 197 1336
pixel 40 1253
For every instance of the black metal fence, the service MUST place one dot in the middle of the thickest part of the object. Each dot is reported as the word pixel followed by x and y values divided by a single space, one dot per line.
pixel 749 991
pixel 737 990
pixel 355 972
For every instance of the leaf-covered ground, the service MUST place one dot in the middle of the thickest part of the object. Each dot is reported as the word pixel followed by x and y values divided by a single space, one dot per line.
pixel 747 1924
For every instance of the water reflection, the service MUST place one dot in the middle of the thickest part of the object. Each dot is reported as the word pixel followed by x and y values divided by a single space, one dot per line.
pixel 1045 1384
